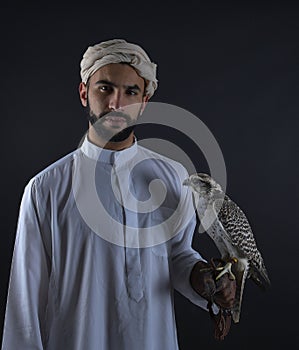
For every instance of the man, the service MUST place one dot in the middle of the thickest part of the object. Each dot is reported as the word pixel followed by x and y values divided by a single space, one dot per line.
pixel 92 268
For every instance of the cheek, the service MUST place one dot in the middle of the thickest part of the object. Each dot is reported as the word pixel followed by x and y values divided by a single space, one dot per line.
pixel 95 103
pixel 133 109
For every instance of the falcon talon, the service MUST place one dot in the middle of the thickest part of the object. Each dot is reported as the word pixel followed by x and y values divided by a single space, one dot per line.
pixel 226 269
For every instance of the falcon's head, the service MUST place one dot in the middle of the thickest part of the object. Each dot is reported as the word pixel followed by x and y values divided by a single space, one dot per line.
pixel 203 184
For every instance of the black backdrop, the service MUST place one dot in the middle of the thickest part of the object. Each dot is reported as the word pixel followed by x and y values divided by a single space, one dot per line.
pixel 233 64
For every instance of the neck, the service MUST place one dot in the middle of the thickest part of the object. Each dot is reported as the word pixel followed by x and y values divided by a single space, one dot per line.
pixel 114 146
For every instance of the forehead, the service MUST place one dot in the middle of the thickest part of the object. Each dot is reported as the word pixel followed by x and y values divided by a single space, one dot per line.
pixel 118 74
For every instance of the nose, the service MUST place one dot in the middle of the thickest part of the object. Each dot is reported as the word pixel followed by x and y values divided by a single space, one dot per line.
pixel 116 101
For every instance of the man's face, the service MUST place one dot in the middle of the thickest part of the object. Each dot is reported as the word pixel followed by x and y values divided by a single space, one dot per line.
pixel 115 97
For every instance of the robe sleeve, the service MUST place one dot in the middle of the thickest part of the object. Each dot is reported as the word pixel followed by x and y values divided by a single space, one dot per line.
pixel 184 257
pixel 26 308
pixel 183 260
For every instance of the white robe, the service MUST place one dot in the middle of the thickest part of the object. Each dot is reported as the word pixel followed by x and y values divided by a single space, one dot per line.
pixel 73 289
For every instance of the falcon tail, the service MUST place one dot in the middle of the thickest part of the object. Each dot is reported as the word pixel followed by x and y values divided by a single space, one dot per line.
pixel 241 273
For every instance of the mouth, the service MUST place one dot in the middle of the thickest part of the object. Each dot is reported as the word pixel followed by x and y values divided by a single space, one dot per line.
pixel 115 121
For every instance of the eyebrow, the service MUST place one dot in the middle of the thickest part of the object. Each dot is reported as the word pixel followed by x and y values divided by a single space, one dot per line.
pixel 107 82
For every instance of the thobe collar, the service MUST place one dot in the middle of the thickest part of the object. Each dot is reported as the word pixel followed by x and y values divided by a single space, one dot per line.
pixel 106 155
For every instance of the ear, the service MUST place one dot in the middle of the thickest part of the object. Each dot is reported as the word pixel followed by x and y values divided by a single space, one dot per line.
pixel 83 94
pixel 144 103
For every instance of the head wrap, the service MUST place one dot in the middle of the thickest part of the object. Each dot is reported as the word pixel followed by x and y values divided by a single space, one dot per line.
pixel 117 51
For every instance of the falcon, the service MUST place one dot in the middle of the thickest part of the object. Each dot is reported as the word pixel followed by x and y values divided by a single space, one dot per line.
pixel 228 227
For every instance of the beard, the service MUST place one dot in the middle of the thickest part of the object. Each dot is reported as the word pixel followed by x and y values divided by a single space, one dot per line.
pixel 112 135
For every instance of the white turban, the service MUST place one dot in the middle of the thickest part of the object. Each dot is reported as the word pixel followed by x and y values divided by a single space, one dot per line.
pixel 117 51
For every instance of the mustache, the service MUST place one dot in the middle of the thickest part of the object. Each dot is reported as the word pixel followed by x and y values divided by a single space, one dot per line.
pixel 115 114
pixel 98 119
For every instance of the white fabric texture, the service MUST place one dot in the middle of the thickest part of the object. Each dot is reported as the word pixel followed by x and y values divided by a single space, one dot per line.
pixel 70 289
pixel 117 51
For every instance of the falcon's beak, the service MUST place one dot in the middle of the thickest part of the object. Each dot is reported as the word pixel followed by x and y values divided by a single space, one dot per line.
pixel 186 182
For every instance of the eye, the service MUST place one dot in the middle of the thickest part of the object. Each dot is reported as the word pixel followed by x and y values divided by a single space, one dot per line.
pixel 132 92
pixel 105 88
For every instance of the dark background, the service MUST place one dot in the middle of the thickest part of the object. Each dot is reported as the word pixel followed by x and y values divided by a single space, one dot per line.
pixel 233 64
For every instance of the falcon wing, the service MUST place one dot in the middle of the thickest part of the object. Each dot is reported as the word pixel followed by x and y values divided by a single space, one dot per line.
pixel 236 224
pixel 213 227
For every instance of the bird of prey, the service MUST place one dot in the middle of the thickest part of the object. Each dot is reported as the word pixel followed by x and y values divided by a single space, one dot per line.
pixel 227 225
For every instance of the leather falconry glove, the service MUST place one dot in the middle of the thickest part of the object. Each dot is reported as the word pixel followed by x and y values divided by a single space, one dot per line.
pixel 221 292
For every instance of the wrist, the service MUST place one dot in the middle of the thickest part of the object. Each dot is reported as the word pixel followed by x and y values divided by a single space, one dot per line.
pixel 198 278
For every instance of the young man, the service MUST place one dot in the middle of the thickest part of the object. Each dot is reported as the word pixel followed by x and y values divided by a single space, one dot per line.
pixel 92 267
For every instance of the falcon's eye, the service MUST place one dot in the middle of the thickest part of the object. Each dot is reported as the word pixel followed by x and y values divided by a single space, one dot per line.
pixel 200 181
pixel 197 181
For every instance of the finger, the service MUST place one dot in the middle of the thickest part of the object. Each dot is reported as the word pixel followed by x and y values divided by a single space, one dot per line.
pixel 224 303
pixel 225 297
pixel 225 283
pixel 222 283
pixel 226 294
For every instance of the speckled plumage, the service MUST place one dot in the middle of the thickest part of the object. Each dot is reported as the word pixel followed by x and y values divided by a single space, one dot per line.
pixel 228 226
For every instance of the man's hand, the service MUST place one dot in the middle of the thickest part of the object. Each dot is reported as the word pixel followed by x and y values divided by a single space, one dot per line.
pixel 221 292
pixel 225 292
pixel 203 281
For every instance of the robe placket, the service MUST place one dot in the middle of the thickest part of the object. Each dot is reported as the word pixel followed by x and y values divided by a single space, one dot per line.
pixel 132 255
